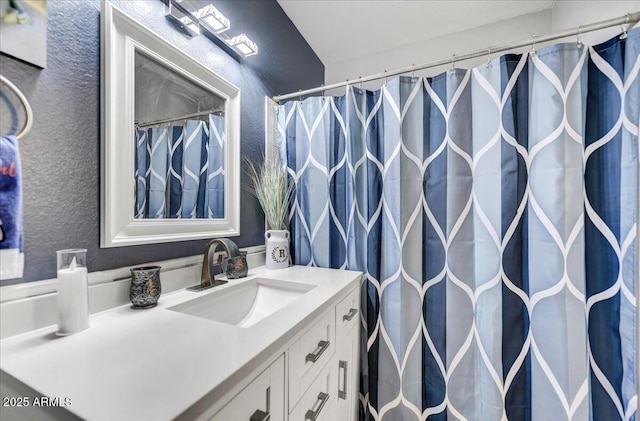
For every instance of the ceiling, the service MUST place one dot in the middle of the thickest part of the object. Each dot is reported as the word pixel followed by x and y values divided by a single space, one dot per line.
pixel 340 30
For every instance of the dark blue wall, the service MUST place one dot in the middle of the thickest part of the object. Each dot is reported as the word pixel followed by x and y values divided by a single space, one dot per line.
pixel 61 153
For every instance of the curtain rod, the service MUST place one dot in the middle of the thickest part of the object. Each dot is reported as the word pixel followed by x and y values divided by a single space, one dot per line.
pixel 629 19
pixel 184 117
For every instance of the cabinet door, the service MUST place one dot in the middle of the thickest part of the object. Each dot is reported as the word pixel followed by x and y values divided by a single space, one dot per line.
pixel 263 397
pixel 347 367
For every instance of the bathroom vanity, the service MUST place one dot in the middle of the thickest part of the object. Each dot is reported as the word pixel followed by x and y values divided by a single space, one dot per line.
pixel 278 345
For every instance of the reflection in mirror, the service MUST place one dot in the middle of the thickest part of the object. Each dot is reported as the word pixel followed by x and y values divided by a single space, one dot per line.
pixel 180 142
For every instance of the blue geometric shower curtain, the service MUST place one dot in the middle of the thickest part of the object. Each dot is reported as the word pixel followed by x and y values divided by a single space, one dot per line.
pixel 180 170
pixel 493 211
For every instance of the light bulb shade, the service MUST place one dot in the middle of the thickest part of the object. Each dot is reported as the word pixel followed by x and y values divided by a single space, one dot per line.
pixel 243 44
pixel 211 17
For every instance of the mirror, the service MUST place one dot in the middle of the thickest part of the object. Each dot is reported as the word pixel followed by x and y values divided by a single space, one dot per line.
pixel 170 141
pixel 179 141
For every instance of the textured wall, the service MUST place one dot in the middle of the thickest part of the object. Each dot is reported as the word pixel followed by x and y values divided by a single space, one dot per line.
pixel 61 154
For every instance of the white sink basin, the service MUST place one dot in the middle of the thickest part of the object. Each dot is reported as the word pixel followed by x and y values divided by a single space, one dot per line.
pixel 245 304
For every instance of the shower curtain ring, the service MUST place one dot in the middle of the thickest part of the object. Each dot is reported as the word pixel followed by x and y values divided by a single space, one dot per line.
pixel 323 91
pixel 533 45
pixel 489 57
pixel 625 28
pixel 385 77
pixel 413 71
pixel 360 83
pixel 579 36
pixel 299 95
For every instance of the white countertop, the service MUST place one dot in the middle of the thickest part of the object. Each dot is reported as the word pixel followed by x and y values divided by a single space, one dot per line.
pixel 154 364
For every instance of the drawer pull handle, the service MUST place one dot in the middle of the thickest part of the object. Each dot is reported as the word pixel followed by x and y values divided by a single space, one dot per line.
pixel 312 414
pixel 260 416
pixel 313 356
pixel 350 315
pixel 342 394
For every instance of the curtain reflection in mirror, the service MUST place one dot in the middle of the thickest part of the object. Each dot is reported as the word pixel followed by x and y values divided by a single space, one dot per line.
pixel 179 169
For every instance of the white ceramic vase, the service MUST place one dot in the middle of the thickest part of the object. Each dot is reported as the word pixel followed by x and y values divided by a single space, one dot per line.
pixel 277 242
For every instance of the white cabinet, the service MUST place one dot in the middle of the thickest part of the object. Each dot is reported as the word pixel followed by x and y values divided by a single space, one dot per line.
pixel 346 363
pixel 262 399
pixel 321 366
pixel 292 365
pixel 346 367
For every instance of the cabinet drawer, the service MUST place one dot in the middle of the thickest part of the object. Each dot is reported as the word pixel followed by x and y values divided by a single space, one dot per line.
pixel 318 401
pixel 263 396
pixel 309 354
pixel 347 313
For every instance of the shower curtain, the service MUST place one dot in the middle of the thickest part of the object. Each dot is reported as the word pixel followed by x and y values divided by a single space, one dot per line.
pixel 493 212
pixel 179 170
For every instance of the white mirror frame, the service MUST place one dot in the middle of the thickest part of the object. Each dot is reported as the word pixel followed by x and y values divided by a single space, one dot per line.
pixel 121 37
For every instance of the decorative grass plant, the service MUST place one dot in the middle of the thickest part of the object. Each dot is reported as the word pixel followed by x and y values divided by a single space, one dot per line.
pixel 272 188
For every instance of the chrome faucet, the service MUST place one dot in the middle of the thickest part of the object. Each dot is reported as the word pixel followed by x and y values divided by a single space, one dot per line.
pixel 211 269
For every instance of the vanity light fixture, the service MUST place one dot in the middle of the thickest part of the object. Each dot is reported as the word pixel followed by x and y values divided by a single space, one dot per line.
pixel 212 19
pixel 192 26
pixel 182 21
pixel 189 21
pixel 244 45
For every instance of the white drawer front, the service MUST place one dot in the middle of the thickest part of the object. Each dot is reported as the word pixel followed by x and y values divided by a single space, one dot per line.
pixel 347 313
pixel 308 355
pixel 317 404
pixel 265 394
